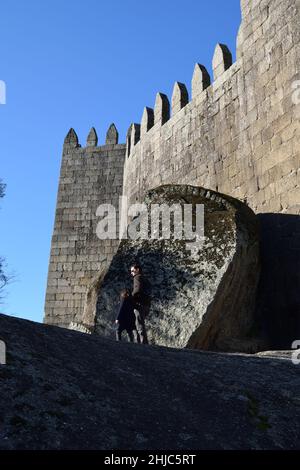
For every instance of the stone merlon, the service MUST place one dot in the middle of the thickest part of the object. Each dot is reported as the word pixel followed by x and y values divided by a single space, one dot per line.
pixel 180 97
pixel 200 80
pixel 92 138
pixel 222 60
pixel 112 136
pixel 71 139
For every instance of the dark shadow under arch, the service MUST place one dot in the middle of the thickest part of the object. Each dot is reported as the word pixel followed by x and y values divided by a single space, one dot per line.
pixel 278 296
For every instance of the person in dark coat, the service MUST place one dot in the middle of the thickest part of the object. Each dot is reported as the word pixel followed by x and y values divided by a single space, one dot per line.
pixel 140 302
pixel 125 319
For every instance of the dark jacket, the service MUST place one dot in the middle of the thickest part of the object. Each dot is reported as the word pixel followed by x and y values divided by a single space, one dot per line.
pixel 126 315
pixel 141 290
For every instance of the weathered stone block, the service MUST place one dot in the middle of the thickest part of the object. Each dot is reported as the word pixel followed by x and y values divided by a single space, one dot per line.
pixel 201 300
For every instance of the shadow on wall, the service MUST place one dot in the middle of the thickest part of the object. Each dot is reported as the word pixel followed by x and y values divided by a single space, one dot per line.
pixel 164 286
pixel 278 297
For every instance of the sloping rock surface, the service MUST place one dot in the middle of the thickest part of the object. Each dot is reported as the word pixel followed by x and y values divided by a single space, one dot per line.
pixel 62 389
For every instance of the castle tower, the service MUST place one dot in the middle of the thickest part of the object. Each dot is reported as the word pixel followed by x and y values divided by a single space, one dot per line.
pixel 89 176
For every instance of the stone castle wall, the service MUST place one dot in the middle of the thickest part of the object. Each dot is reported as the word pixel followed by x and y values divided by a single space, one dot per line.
pixel 89 176
pixel 241 134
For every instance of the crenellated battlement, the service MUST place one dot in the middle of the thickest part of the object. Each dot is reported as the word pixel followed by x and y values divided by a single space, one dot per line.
pixel 72 141
pixel 157 117
pixel 223 137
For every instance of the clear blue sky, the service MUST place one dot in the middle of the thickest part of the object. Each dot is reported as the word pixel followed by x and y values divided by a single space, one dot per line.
pixel 75 63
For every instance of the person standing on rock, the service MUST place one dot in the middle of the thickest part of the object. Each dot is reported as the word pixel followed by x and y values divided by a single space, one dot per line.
pixel 139 302
pixel 125 318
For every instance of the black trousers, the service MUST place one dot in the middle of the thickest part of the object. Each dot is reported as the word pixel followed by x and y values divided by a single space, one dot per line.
pixel 119 331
